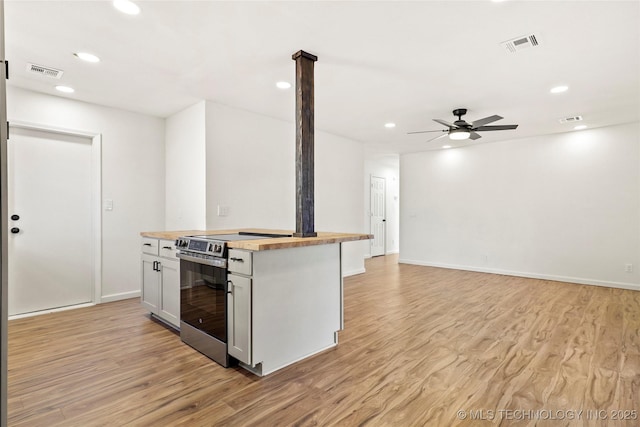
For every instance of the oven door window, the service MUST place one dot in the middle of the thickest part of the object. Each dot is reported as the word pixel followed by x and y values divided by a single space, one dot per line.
pixel 203 298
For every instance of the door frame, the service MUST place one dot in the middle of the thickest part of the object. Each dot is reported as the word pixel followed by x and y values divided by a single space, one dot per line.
pixel 384 208
pixel 96 195
pixel 4 221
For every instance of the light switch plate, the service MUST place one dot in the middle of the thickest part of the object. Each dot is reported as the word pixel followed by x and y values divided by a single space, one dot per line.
pixel 108 204
pixel 223 210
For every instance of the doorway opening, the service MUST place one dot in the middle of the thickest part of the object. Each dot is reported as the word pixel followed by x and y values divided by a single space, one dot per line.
pixel 378 216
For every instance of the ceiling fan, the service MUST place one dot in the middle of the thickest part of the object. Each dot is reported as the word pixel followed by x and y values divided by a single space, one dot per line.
pixel 460 129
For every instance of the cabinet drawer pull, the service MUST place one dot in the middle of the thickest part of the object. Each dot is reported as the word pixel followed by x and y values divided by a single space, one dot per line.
pixel 167 247
pixel 146 244
pixel 236 259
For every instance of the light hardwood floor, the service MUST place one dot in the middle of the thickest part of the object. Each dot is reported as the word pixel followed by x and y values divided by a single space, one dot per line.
pixel 419 345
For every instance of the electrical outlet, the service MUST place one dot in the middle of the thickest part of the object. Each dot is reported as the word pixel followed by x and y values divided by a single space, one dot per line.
pixel 223 210
pixel 628 268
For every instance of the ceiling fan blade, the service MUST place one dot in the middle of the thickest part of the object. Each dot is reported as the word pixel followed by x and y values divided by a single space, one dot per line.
pixel 438 137
pixel 487 128
pixel 486 120
pixel 473 135
pixel 425 131
pixel 447 124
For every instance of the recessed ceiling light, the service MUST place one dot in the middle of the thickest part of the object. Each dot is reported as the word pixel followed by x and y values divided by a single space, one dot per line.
pixel 389 125
pixel 559 89
pixel 580 127
pixel 87 57
pixel 446 146
pixel 65 89
pixel 283 85
pixel 126 6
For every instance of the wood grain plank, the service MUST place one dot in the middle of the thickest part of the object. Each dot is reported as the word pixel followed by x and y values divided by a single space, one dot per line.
pixel 420 344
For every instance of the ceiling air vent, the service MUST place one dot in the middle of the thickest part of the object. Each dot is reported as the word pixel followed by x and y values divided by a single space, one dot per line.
pixel 522 42
pixel 571 119
pixel 44 71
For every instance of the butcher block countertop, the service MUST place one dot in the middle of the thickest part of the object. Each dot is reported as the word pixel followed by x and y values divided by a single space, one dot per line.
pixel 323 238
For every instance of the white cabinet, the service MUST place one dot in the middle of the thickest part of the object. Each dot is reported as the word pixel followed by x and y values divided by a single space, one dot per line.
pixel 239 317
pixel 239 330
pixel 150 291
pixel 169 308
pixel 295 305
pixel 283 305
pixel 160 290
pixel 150 246
pixel 240 262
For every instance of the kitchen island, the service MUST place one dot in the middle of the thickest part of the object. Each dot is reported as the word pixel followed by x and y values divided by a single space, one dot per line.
pixel 285 297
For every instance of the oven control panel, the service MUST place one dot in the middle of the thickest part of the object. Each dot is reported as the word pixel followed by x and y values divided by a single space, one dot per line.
pixel 207 247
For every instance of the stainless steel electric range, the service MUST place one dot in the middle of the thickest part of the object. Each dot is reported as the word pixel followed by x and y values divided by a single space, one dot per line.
pixel 203 291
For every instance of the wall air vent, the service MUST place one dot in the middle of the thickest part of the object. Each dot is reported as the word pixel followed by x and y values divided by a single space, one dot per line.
pixel 571 119
pixel 522 42
pixel 44 71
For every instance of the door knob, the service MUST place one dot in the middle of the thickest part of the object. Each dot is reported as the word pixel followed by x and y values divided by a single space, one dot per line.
pixel 15 230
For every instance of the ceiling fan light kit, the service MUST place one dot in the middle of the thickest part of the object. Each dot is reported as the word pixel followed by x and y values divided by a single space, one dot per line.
pixel 459 134
pixel 461 129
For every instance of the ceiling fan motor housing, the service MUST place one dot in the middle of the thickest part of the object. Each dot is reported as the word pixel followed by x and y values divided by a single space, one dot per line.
pixel 459 112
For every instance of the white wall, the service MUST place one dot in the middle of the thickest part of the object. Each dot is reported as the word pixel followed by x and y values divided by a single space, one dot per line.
pixel 563 207
pixel 251 170
pixel 339 199
pixel 388 169
pixel 185 182
pixel 133 162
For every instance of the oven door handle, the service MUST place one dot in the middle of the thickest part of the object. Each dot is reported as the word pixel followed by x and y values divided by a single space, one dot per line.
pixel 216 262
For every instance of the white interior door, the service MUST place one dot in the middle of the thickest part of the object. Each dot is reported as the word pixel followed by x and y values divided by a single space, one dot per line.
pixel 378 219
pixel 51 244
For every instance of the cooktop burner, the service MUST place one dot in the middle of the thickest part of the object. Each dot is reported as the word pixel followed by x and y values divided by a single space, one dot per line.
pixel 239 236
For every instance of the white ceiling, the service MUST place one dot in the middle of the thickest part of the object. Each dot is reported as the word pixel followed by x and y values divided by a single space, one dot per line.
pixel 378 62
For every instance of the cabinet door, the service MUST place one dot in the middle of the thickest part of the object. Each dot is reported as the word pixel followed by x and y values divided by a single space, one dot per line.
pixel 150 290
pixel 170 291
pixel 239 318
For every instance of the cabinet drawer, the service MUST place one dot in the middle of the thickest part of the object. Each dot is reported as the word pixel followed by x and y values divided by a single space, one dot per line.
pixel 167 248
pixel 240 262
pixel 149 246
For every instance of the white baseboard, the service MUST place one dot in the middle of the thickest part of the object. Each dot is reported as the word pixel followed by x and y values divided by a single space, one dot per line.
pixel 120 296
pixel 569 279
pixel 392 252
pixel 353 272
pixel 51 310
pixel 106 298
pixel 367 256
pixel 263 373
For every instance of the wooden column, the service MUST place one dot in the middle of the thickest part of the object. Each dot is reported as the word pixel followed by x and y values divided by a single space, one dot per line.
pixel 304 144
